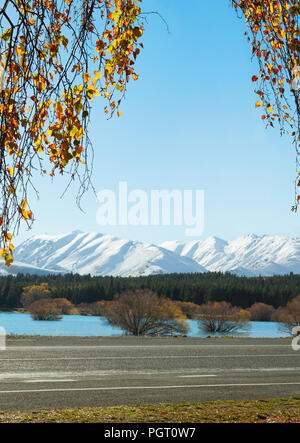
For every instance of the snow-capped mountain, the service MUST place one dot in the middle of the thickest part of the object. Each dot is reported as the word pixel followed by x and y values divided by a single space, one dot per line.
pixel 250 255
pixel 97 254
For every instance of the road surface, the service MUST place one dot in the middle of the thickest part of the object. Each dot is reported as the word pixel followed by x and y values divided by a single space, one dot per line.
pixel 68 372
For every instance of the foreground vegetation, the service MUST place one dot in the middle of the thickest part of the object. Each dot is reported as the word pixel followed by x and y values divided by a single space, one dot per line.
pixel 143 312
pixel 259 411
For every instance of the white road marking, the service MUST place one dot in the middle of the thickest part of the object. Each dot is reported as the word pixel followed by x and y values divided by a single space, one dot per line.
pixel 122 388
pixel 196 376
pixel 46 381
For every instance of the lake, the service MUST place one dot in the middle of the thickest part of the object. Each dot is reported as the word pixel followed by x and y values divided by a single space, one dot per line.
pixel 82 326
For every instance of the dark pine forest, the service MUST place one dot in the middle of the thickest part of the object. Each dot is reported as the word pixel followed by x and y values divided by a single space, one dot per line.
pixel 196 288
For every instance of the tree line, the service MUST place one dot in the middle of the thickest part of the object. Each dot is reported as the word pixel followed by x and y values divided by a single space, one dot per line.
pixel 195 288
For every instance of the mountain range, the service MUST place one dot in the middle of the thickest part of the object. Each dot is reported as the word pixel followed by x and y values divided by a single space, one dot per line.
pixel 250 255
pixel 98 254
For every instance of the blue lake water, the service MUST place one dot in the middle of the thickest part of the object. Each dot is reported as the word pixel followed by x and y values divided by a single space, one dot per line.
pixel 81 326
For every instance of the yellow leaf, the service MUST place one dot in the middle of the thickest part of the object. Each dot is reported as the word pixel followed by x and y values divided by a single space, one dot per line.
pixel 86 77
pixel 12 189
pixel 23 204
pixel 25 215
pixel 7 236
pixel 8 260
pixel 98 75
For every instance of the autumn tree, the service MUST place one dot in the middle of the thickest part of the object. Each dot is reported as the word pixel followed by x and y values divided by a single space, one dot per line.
pixel 191 310
pixel 34 293
pixel 261 312
pixel 273 32
pixel 144 313
pixel 91 309
pixel 289 317
pixel 222 318
pixel 45 310
pixel 56 56
pixel 65 306
pixel 51 309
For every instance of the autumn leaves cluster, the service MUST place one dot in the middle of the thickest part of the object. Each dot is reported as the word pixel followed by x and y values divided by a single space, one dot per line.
pixel 55 58
pixel 274 36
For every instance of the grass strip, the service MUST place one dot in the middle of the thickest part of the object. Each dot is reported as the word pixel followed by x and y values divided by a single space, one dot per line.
pixel 256 411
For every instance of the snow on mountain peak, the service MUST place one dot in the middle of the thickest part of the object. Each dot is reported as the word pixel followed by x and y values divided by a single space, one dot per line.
pixel 247 255
pixel 103 254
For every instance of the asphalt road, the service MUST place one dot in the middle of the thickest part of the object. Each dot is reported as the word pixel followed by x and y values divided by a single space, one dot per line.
pixel 69 372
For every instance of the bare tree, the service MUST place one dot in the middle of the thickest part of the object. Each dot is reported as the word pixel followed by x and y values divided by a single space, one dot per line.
pixel 51 309
pixel 45 309
pixel 289 317
pixel 222 318
pixel 91 309
pixel 188 308
pixel 144 313
pixel 65 306
pixel 261 312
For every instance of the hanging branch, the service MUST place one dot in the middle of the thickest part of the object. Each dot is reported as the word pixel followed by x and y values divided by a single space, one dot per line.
pixel 56 56
pixel 273 32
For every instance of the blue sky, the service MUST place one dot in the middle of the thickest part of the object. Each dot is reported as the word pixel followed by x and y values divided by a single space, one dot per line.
pixel 189 122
